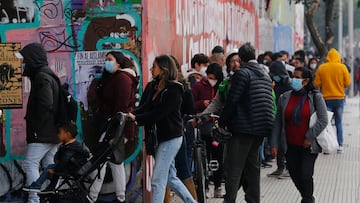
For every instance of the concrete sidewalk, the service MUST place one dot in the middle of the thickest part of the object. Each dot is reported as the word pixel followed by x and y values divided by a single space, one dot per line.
pixel 337 176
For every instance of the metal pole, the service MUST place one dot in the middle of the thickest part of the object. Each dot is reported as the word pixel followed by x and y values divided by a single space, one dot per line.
pixel 340 36
pixel 351 44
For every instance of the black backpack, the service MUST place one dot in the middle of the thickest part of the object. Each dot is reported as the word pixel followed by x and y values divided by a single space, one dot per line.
pixel 68 107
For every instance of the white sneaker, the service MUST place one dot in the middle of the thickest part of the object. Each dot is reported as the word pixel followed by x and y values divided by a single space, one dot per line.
pixel 340 150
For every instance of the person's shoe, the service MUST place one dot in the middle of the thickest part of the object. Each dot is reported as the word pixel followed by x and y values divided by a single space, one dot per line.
pixel 34 187
pixel 218 193
pixel 264 164
pixel 276 173
pixel 285 174
pixel 340 150
pixel 89 200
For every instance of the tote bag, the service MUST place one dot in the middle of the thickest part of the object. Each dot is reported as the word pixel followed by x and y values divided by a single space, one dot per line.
pixel 327 139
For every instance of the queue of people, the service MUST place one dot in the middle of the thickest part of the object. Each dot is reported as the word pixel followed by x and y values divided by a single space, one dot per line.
pixel 265 102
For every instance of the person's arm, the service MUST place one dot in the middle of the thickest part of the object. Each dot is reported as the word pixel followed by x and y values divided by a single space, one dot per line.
pixel 238 84
pixel 171 99
pixel 144 99
pixel 199 103
pixel 317 80
pixel 322 117
pixel 347 80
pixel 277 127
pixel 215 106
pixel 122 93
pixel 44 100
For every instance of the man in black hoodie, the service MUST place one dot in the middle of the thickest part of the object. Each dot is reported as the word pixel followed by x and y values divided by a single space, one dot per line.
pixel 42 106
pixel 281 78
pixel 248 114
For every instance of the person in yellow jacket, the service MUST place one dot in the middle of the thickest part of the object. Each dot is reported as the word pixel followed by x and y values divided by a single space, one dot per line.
pixel 332 78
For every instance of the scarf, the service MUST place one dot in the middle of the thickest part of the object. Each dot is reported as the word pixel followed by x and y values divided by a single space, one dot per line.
pixel 296 114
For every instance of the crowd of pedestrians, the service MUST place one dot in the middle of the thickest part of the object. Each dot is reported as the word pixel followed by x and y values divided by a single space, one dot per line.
pixel 265 101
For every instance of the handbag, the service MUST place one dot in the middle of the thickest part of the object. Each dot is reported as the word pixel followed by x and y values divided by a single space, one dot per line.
pixel 151 141
pixel 327 139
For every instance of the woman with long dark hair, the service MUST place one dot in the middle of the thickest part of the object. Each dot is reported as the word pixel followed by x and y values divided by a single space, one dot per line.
pixel 160 108
pixel 115 93
pixel 293 134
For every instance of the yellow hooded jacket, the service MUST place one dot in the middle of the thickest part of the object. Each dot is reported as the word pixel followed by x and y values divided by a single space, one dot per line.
pixel 332 77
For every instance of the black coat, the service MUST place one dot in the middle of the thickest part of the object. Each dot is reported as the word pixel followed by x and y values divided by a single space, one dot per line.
pixel 44 96
pixel 164 110
pixel 249 107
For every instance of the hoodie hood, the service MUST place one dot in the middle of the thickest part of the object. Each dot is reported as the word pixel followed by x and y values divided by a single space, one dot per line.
pixel 278 68
pixel 333 56
pixel 35 58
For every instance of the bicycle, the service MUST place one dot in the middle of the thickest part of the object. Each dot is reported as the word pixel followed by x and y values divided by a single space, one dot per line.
pixel 202 169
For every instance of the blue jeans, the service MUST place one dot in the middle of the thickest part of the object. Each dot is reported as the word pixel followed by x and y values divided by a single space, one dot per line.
pixel 45 175
pixel 337 106
pixel 182 162
pixel 165 172
pixel 36 153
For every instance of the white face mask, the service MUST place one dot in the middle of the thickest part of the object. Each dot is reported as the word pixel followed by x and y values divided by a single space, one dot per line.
pixel 203 71
pixel 212 82
pixel 313 66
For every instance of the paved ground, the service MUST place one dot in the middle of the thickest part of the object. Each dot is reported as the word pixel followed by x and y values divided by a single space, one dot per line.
pixel 337 176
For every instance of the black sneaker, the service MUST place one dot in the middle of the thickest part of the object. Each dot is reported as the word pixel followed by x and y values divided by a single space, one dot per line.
pixel 276 173
pixel 34 187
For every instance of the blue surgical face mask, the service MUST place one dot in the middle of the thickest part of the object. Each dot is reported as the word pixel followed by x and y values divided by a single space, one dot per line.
pixel 296 84
pixel 277 78
pixel 109 66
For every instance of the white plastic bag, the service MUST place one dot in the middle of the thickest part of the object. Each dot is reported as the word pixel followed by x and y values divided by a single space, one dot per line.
pixel 327 139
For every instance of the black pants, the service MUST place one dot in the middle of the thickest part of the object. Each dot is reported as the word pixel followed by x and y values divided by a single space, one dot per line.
pixel 280 160
pixel 242 158
pixel 215 153
pixel 300 163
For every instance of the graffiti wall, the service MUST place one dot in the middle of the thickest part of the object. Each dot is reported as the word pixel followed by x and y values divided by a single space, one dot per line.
pixel 70 30
pixel 77 34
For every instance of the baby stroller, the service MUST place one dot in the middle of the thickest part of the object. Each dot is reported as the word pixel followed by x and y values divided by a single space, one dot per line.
pixel 74 187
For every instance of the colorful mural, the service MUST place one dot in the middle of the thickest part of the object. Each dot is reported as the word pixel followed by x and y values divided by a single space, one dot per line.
pixel 66 28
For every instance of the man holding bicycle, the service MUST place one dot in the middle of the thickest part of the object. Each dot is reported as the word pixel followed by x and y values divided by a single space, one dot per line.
pixel 248 114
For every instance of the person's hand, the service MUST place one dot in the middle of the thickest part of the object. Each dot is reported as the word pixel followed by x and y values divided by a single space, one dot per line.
pixel 274 152
pixel 207 103
pixel 51 171
pixel 194 123
pixel 131 116
pixel 307 143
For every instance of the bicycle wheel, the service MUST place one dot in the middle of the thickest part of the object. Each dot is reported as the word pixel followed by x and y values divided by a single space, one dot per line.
pixel 199 175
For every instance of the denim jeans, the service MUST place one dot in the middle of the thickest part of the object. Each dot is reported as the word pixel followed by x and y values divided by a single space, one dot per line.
pixel 36 153
pixel 301 162
pixel 182 162
pixel 337 106
pixel 165 172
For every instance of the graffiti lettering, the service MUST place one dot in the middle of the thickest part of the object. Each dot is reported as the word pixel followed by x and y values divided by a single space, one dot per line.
pixel 51 9
pixel 12 11
pixel 53 42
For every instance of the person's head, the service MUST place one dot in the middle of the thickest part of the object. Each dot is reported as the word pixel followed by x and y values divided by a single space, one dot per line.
pixel 302 80
pixel 214 74
pixel 278 71
pixel 115 60
pixel 313 63
pixel 67 131
pixel 300 54
pixel 217 55
pixel 33 58
pixel 247 52
pixel 298 62
pixel 278 56
pixel 267 58
pixel 232 61
pixel 286 55
pixel 164 68
pixel 199 61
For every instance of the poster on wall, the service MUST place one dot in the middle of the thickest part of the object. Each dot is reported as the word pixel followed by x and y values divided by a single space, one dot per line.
pixel 88 64
pixel 10 77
